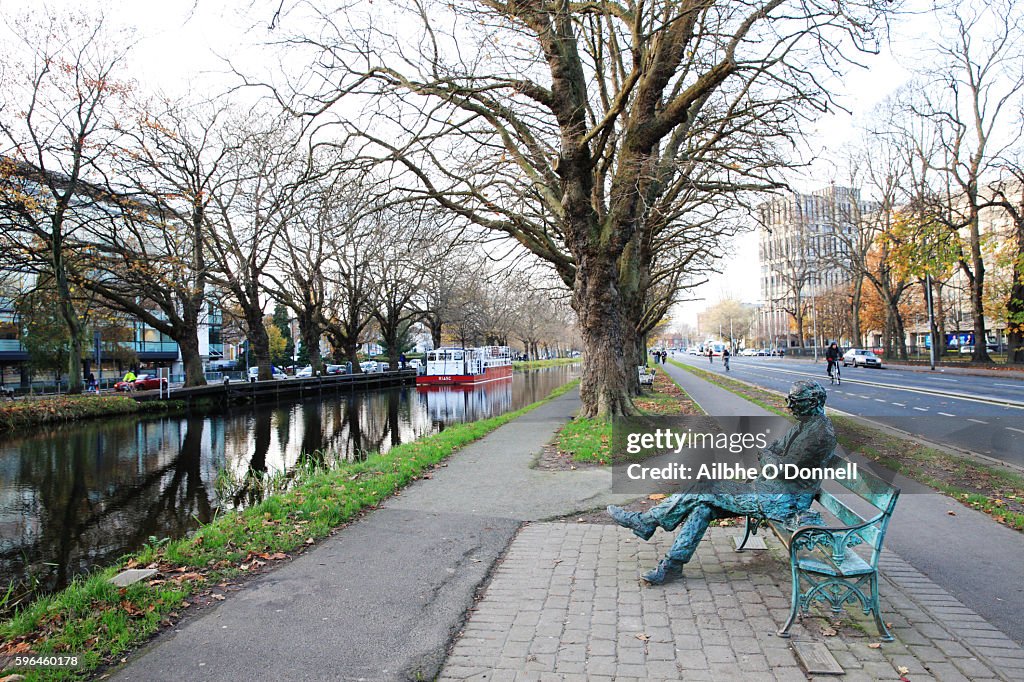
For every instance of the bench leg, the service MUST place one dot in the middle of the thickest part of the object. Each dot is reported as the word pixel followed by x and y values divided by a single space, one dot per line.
pixel 876 610
pixel 750 527
pixel 794 606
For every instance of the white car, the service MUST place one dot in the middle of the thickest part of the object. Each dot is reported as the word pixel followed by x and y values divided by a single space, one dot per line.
pixel 413 364
pixel 749 352
pixel 369 366
pixel 254 373
pixel 306 371
pixel 859 357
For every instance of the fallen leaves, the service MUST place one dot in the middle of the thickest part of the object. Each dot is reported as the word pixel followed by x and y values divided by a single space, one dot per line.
pixel 829 632
pixel 875 645
pixel 643 637
pixel 656 496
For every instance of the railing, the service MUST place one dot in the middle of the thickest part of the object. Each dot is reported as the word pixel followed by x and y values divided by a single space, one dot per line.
pixel 11 345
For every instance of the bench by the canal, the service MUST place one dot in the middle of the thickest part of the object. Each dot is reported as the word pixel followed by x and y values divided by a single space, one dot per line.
pixel 646 375
pixel 822 558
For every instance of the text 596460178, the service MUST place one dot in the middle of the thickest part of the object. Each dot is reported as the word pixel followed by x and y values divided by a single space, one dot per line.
pixel 32 660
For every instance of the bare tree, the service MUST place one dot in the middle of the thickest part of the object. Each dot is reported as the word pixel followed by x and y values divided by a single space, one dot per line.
pixel 149 259
pixel 256 200
pixel 56 137
pixel 548 122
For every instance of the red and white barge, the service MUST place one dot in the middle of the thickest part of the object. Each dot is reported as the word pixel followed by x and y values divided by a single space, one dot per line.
pixel 446 366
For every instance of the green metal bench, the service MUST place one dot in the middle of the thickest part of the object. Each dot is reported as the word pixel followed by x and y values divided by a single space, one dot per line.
pixel 821 556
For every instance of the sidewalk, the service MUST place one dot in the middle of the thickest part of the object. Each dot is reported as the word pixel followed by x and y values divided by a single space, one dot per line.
pixel 382 598
pixel 566 604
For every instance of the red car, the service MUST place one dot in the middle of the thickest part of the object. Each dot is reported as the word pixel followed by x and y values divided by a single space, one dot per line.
pixel 143 382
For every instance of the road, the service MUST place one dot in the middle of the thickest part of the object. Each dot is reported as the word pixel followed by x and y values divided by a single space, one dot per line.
pixel 976 413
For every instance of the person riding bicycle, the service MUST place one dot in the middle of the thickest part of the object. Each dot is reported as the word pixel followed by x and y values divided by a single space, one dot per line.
pixel 832 355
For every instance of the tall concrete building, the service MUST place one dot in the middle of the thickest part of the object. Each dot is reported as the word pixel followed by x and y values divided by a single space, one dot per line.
pixel 803 251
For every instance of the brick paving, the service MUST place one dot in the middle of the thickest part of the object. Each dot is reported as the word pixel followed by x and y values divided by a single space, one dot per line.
pixel 566 603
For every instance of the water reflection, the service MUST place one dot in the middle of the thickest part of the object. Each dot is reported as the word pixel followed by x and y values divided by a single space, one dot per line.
pixel 81 495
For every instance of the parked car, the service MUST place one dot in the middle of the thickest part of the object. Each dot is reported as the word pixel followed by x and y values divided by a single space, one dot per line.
pixel 369 366
pixel 860 357
pixel 335 369
pixel 414 364
pixel 763 352
pixel 748 352
pixel 778 352
pixel 276 372
pixel 306 371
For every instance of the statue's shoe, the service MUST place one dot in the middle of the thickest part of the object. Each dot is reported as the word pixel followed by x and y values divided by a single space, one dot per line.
pixel 633 520
pixel 667 570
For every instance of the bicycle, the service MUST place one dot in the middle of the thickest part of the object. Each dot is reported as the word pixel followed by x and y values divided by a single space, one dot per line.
pixel 833 373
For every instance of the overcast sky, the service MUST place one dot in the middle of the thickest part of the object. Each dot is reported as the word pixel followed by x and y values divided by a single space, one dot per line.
pixel 181 45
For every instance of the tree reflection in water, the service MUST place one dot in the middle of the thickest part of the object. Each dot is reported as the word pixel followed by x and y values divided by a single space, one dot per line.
pixel 80 495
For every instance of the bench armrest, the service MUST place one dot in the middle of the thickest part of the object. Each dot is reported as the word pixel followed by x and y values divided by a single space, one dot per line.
pixel 834 539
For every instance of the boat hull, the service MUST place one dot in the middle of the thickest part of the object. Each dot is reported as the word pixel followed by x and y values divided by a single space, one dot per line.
pixel 490 374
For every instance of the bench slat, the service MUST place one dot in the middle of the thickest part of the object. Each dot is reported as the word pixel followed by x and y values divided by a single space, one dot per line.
pixel 879 493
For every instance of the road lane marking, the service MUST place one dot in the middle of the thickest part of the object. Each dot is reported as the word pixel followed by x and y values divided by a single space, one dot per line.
pixel 922 390
pixel 976 421
pixel 899 404
pixel 866 397
pixel 947 414
pixel 921 409
pixel 941 379
pixel 1017 430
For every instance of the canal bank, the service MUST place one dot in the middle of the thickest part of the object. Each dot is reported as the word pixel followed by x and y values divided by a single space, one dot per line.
pixel 381 598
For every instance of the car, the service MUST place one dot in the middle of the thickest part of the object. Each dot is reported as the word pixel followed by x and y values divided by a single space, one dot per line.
pixel 778 352
pixel 143 382
pixel 369 366
pixel 748 352
pixel 306 371
pixel 414 364
pixel 276 372
pixel 335 369
pixel 763 352
pixel 859 357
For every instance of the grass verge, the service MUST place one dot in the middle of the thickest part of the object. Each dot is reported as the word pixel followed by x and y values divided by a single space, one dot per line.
pixel 994 490
pixel 67 408
pixel 589 440
pixel 538 364
pixel 101 622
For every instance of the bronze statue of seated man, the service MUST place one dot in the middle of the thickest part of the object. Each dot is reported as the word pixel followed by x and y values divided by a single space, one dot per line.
pixel 810 443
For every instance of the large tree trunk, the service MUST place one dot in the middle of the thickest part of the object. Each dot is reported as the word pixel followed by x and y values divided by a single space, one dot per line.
pixel 259 342
pixel 604 388
pixel 855 303
pixel 310 334
pixel 977 295
pixel 188 344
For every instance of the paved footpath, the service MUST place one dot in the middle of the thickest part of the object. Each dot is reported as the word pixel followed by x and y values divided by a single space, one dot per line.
pixel 383 597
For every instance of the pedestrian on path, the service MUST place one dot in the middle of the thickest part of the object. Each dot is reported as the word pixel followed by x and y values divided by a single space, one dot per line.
pixel 711 355
pixel 809 443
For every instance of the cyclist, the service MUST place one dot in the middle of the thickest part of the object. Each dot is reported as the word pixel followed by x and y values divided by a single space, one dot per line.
pixel 832 355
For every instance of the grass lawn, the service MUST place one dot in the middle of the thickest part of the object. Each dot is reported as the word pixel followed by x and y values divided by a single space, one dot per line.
pixel 589 440
pixel 101 622
pixel 537 364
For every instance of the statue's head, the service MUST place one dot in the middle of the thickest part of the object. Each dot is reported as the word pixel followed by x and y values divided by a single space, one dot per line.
pixel 806 398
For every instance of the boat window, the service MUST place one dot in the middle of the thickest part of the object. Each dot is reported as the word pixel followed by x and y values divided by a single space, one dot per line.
pixel 457 355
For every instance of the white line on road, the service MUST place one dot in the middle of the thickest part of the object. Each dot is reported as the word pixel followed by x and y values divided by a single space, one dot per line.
pixel 1010 385
pixel 940 379
pixel 1017 430
pixel 879 400
pixel 947 414
pixel 866 397
pixel 899 404
pixel 976 421
pixel 921 409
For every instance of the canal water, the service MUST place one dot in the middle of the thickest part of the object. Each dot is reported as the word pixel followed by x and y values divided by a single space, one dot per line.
pixel 83 495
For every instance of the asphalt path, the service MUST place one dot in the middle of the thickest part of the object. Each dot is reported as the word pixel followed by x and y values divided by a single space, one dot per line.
pixel 975 413
pixel 964 551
